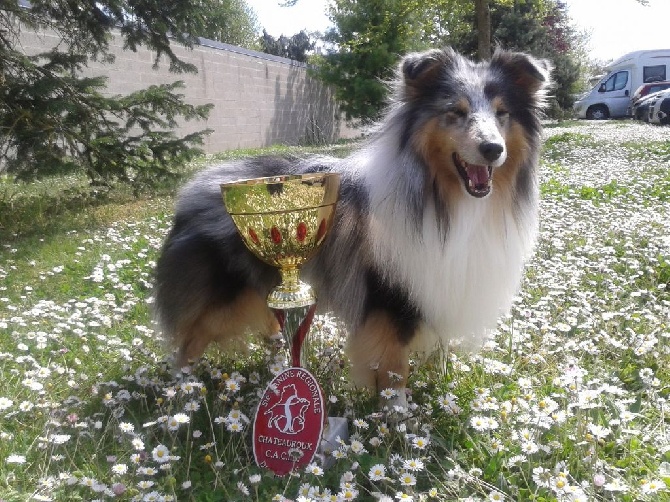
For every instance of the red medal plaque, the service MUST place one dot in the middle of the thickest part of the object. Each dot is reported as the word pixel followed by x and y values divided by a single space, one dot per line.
pixel 289 421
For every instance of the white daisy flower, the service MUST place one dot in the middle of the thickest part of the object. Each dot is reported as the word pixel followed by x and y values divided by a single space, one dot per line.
pixel 161 454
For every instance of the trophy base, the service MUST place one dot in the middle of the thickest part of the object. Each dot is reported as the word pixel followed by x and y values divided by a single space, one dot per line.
pixel 294 296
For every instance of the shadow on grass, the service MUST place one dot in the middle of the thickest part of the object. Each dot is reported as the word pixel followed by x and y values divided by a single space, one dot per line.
pixel 562 123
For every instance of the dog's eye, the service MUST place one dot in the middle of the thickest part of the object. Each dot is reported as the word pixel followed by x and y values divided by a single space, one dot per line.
pixel 502 114
pixel 457 113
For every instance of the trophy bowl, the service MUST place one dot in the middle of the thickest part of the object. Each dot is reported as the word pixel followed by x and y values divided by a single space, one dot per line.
pixel 283 220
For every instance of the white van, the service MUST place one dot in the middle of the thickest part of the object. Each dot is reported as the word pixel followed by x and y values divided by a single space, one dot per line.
pixel 611 95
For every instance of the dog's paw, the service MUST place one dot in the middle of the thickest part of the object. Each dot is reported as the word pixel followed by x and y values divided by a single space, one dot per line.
pixel 393 398
pixel 394 405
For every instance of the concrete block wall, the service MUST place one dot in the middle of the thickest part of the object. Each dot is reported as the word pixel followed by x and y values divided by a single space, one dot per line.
pixel 259 100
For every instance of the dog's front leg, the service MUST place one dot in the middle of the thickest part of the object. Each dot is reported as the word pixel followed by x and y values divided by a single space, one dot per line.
pixel 380 358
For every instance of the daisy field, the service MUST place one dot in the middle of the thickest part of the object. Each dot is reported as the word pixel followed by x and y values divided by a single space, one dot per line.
pixel 567 401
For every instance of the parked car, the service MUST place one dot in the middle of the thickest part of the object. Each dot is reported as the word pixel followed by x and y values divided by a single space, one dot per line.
pixel 640 110
pixel 643 91
pixel 659 108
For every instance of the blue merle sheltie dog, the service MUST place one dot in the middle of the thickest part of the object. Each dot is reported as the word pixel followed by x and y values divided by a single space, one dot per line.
pixel 438 212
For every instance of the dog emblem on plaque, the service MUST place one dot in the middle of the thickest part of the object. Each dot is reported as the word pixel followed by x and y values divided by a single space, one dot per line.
pixel 289 421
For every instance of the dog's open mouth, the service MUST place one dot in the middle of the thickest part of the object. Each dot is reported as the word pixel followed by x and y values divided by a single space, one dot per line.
pixel 477 178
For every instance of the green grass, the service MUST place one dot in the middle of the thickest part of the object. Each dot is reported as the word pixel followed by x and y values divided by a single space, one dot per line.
pixel 567 400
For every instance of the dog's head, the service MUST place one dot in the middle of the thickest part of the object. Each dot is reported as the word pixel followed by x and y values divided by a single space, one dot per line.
pixel 467 120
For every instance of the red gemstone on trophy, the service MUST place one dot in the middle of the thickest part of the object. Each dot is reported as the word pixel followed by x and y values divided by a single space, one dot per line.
pixel 301 231
pixel 275 234
pixel 253 236
pixel 289 422
pixel 321 232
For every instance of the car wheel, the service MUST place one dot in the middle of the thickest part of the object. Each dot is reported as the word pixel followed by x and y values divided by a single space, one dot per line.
pixel 597 112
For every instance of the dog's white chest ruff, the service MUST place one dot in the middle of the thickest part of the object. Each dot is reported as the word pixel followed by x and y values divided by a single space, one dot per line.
pixel 464 282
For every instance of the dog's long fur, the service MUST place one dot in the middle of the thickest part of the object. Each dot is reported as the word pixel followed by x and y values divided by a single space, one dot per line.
pixel 437 214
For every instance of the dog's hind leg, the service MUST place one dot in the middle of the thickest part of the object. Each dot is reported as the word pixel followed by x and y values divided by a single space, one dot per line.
pixel 247 313
pixel 380 355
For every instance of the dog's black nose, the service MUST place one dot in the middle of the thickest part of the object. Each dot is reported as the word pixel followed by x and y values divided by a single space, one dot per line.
pixel 490 151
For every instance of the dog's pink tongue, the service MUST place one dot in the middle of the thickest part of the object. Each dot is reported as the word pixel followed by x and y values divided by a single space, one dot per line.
pixel 479 175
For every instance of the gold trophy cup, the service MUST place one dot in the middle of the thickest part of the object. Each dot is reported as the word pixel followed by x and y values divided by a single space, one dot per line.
pixel 283 220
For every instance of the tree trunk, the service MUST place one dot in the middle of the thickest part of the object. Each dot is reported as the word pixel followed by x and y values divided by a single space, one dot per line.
pixel 483 17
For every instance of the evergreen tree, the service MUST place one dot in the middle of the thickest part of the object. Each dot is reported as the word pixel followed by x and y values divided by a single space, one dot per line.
pixel 230 21
pixel 370 36
pixel 297 47
pixel 53 119
pixel 543 28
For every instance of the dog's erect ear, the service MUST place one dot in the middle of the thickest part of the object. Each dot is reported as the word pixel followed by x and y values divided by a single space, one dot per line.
pixel 417 65
pixel 422 70
pixel 527 73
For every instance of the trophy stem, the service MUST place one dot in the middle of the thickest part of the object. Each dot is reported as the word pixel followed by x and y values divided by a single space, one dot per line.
pixel 290 278
pixel 295 323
